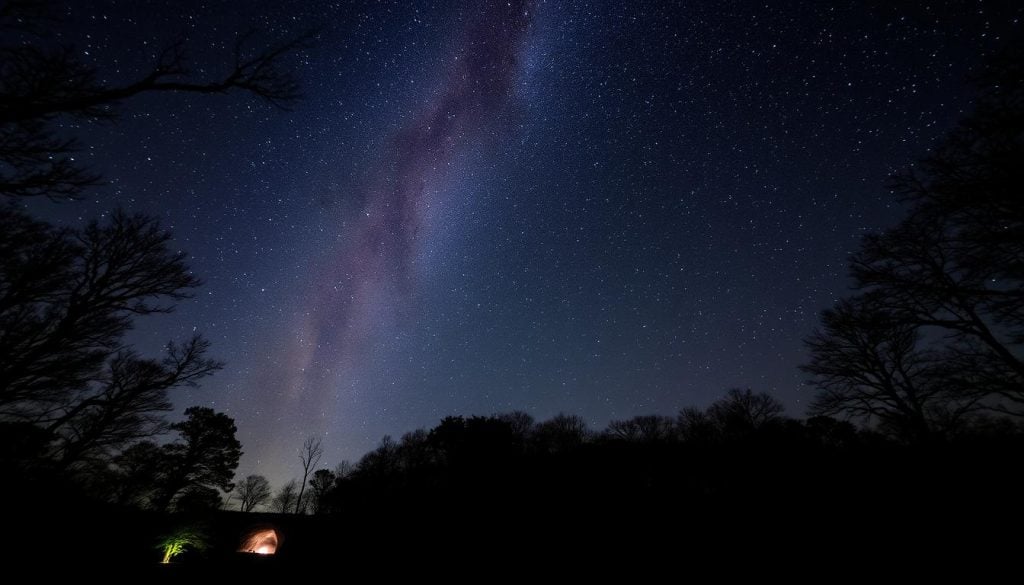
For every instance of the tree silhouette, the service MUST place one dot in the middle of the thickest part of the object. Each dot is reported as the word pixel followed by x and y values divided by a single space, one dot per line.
pixel 696 427
pixel 128 404
pixel 206 456
pixel 42 80
pixel 320 485
pixel 560 434
pixel 519 422
pixel 312 450
pixel 415 450
pixel 284 500
pixel 67 298
pixel 252 491
pixel 198 499
pixel 379 464
pixel 868 365
pixel 643 429
pixel 343 469
pixel 136 474
pixel 743 411
pixel 947 282
pixel 80 399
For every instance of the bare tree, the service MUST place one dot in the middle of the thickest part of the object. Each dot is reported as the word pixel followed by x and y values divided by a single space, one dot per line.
pixel 312 450
pixel 284 501
pixel 344 469
pixel 743 410
pixel 646 429
pixel 950 273
pixel 562 433
pixel 695 426
pixel 42 80
pixel 520 422
pixel 129 404
pixel 253 491
pixel 867 365
pixel 67 298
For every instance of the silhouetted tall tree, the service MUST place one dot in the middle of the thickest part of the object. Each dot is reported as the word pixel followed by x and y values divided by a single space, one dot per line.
pixel 206 456
pixel 957 261
pixel 42 80
pixel 252 491
pixel 948 280
pixel 312 450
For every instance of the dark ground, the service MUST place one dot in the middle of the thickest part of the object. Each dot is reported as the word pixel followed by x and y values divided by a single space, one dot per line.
pixel 922 513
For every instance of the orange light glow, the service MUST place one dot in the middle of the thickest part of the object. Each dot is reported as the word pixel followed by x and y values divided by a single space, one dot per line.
pixel 261 542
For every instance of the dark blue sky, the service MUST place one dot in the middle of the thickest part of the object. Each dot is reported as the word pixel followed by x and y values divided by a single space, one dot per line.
pixel 601 208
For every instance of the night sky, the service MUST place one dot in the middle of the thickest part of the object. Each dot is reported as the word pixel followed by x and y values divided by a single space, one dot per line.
pixel 478 207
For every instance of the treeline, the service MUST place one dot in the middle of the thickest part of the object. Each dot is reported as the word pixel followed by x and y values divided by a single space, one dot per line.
pixel 740 444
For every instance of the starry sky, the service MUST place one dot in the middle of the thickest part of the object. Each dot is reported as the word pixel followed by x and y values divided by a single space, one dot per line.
pixel 601 208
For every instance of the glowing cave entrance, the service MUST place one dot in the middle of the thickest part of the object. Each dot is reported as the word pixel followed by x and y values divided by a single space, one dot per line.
pixel 261 542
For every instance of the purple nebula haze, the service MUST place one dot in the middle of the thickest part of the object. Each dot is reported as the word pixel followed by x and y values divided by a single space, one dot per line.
pixel 368 280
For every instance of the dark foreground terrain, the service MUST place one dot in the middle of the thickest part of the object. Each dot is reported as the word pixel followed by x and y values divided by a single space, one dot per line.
pixel 924 508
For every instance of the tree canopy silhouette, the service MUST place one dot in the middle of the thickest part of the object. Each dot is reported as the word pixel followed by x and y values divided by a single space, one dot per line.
pixel 205 459
pixel 870 365
pixel 284 501
pixel 252 491
pixel 320 485
pixel 936 328
pixel 67 298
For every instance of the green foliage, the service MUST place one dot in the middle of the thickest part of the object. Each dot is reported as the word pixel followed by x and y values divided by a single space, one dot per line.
pixel 182 539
